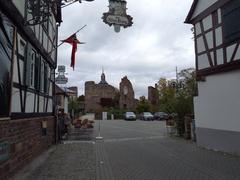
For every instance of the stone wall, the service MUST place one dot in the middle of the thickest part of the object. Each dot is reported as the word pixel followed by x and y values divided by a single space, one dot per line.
pixel 153 98
pixel 126 100
pixel 94 93
pixel 25 140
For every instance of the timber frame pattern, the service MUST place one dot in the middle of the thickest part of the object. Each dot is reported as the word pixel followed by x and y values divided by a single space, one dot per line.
pixel 231 60
pixel 26 36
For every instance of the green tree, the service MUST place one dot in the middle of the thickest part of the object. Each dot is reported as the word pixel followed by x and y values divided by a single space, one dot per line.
pixel 143 105
pixel 167 94
pixel 76 104
pixel 178 99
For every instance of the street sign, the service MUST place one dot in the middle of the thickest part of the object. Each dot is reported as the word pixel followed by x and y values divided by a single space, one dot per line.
pixel 61 79
pixel 61 69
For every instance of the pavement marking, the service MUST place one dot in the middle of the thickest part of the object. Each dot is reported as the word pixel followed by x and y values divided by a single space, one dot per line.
pixel 130 129
pixel 103 169
pixel 133 139
pixel 78 142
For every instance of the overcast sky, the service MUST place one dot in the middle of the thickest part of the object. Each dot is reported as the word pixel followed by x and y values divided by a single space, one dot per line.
pixel 157 42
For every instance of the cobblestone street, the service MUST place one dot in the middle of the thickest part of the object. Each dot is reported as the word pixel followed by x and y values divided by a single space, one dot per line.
pixel 136 150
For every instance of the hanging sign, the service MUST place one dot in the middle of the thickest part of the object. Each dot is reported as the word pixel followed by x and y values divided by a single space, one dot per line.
pixel 112 19
pixel 117 15
pixel 61 69
pixel 61 79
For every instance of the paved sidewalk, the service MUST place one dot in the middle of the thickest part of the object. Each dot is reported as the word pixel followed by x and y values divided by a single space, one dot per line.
pixel 71 161
pixel 130 151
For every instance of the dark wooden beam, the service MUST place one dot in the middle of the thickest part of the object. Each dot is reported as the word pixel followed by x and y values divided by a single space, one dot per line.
pixel 15 16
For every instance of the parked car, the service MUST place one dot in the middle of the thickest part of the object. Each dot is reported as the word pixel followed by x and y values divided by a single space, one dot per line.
pixel 129 116
pixel 160 116
pixel 146 116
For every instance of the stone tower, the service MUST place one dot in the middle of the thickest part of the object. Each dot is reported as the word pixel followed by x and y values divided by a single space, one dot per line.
pixel 97 94
pixel 153 97
pixel 126 100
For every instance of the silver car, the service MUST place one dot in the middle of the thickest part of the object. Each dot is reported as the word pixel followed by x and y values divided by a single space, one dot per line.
pixel 146 116
pixel 129 116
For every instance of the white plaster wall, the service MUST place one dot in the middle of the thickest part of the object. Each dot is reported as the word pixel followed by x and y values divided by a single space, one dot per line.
pixel 212 55
pixel 37 31
pixel 15 71
pixel 237 56
pixel 219 12
pixel 20 4
pixel 209 37
pixel 53 55
pixel 230 50
pixel 30 103
pixel 203 61
pixel 40 34
pixel 41 104
pixel 218 103
pixel 220 58
pixel 21 45
pixel 49 108
pixel 202 5
pixel 218 32
pixel 198 28
pixel 50 89
pixel 45 41
pixel 207 23
pixel 200 45
pixel 15 104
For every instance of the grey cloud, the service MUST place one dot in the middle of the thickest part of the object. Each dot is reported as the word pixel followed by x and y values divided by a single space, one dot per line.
pixel 157 42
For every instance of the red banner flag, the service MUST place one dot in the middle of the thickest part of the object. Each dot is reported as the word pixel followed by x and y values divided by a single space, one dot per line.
pixel 73 41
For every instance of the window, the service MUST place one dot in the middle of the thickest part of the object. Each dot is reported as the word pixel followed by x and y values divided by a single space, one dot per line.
pixel 42 76
pixel 46 79
pixel 231 25
pixel 37 75
pixel 32 68
pixel 6 45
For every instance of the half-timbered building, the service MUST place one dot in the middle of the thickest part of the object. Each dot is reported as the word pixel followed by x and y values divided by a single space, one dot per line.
pixel 28 40
pixel 217 38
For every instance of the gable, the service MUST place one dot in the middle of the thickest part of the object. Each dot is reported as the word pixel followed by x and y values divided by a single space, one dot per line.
pixel 198 7
pixel 201 6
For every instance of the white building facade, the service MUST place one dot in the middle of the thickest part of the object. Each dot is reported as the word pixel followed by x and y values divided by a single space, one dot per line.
pixel 217 47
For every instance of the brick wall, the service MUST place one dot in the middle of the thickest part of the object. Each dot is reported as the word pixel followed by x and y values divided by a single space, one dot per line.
pixel 26 141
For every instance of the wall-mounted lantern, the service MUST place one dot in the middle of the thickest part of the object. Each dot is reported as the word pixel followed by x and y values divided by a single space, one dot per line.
pixel 39 10
pixel 117 15
pixel 44 127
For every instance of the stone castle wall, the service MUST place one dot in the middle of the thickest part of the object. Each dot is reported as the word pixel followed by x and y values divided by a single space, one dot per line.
pixel 94 93
pixel 126 100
